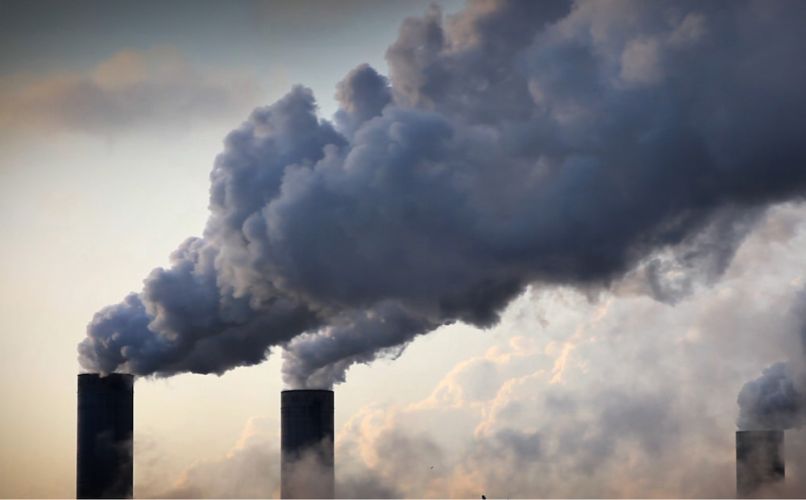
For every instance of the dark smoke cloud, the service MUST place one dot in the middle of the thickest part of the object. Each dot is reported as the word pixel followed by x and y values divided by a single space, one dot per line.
pixel 702 258
pixel 777 398
pixel 772 401
pixel 515 143
pixel 362 95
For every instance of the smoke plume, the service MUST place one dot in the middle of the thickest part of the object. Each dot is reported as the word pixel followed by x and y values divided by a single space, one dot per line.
pixel 513 143
pixel 777 398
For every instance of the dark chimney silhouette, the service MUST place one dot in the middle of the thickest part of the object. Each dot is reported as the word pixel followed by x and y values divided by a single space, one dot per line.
pixel 307 444
pixel 104 465
pixel 759 462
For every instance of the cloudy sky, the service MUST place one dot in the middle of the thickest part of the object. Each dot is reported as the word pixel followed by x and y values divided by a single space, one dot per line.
pixel 539 249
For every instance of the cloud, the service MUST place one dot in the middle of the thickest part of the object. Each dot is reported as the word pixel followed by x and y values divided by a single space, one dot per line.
pixel 516 144
pixel 152 88
pixel 645 405
pixel 777 398
pixel 251 469
pixel 362 95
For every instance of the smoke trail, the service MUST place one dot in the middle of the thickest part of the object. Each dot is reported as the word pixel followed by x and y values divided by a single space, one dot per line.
pixel 514 143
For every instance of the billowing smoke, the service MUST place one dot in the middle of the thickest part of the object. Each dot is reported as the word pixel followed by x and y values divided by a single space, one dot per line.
pixel 514 143
pixel 772 401
pixel 777 398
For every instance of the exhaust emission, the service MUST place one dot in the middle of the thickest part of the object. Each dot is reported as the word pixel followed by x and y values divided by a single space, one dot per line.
pixel 307 444
pixel 759 462
pixel 104 460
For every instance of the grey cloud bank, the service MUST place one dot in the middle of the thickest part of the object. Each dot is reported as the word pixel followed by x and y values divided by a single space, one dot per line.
pixel 130 89
pixel 515 143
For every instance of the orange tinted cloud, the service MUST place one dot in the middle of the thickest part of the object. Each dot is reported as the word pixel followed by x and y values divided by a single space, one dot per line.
pixel 156 87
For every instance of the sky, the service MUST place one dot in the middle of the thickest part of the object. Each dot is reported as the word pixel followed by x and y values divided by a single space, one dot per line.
pixel 567 238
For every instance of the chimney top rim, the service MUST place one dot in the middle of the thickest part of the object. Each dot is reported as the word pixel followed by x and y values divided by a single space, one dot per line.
pixel 101 376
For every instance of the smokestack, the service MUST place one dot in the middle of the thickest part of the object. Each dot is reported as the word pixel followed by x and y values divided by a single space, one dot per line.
pixel 759 461
pixel 104 465
pixel 307 444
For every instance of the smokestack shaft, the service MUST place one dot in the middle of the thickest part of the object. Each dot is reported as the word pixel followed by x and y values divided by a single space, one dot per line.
pixel 307 444
pixel 759 462
pixel 104 459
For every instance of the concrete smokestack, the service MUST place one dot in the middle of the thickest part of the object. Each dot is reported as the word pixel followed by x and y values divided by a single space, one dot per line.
pixel 307 444
pixel 104 465
pixel 759 462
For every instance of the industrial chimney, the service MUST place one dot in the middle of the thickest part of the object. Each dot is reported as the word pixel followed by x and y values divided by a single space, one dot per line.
pixel 104 466
pixel 759 461
pixel 307 444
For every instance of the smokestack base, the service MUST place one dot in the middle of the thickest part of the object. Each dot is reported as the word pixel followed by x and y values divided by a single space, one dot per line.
pixel 759 461
pixel 104 458
pixel 307 444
